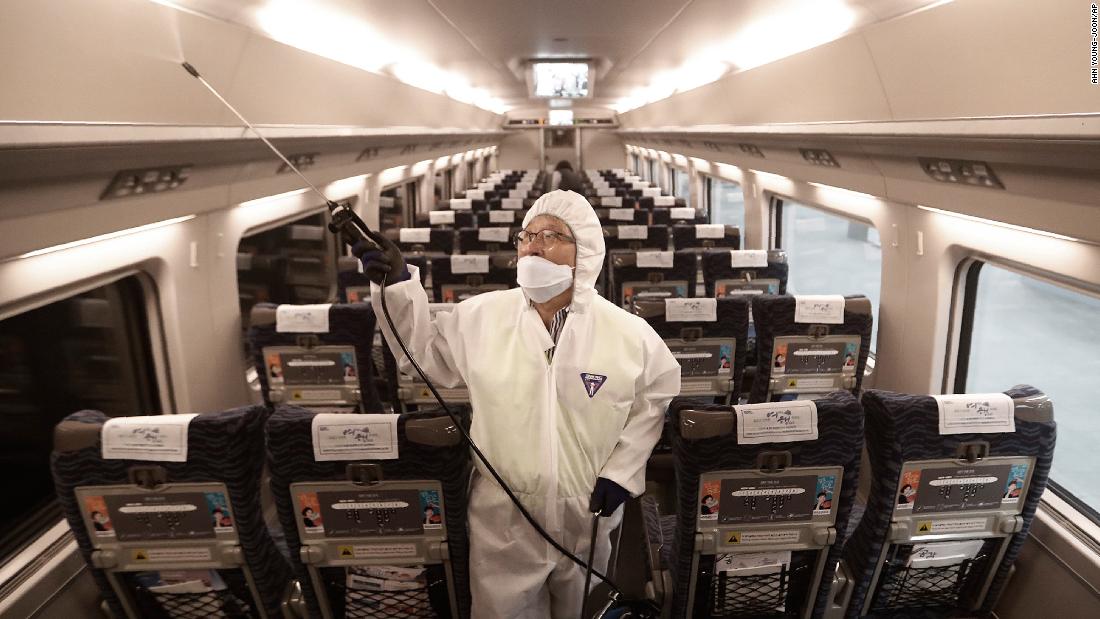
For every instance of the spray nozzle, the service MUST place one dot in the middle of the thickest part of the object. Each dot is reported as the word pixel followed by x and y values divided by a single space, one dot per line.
pixel 190 69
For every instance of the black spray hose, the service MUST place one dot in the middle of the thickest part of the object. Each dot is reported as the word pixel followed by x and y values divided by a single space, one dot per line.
pixel 591 558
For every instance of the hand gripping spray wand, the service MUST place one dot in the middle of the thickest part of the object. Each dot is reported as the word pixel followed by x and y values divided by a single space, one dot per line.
pixel 345 220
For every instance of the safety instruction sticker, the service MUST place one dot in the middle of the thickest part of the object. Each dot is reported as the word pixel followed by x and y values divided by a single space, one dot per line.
pixel 621 214
pixel 664 200
pixel 501 217
pixel 710 231
pixel 691 310
pixel 441 217
pixel 953 525
pixel 655 259
pixel 470 263
pixel 611 200
pixel 158 555
pixel 633 232
pixel 967 413
pixel 375 551
pixel 682 212
pixel 493 235
pixel 825 309
pixel 303 318
pixel 514 202
pixel 776 422
pixel 462 204
pixel 415 235
pixel 775 536
pixel 748 258
pixel 354 437
pixel 162 438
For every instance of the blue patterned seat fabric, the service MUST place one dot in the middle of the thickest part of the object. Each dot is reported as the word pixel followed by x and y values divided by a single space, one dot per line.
pixel 290 458
pixel 903 428
pixel 839 443
pixel 225 447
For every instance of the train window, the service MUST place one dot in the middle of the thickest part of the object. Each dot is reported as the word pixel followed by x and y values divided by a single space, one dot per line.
pixel 471 173
pixel 830 254
pixel 652 170
pixel 292 263
pixel 635 164
pixel 725 203
pixel 443 185
pixel 89 351
pixel 681 184
pixel 1021 329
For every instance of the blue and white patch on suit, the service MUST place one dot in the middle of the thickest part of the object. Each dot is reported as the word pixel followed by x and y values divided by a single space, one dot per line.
pixel 592 383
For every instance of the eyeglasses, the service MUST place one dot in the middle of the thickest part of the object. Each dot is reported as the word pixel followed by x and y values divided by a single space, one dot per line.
pixel 549 238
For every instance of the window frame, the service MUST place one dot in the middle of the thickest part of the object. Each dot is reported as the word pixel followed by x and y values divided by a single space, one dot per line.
pixel 49 523
pixel 968 275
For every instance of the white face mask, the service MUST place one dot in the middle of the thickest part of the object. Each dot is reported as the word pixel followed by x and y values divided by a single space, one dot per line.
pixel 541 279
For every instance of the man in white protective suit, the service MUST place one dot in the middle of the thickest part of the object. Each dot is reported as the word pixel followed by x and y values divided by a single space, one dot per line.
pixel 568 391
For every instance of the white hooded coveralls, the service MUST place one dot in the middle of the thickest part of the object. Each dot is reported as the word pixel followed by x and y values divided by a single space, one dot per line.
pixel 550 429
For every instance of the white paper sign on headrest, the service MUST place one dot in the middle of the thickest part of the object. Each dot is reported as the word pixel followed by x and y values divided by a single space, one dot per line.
pixel 302 318
pixel 634 232
pixel 441 217
pixel 966 413
pixel 606 193
pixel 691 310
pixel 827 309
pixel 512 204
pixel 525 186
pixel 620 214
pixel 611 200
pixel 502 217
pixel 343 436
pixel 776 422
pixel 682 212
pixel 651 192
pixel 476 194
pixel 493 235
pixel 415 235
pixel 654 259
pixel 517 194
pixel 710 231
pixel 486 186
pixel 748 258
pixel 461 204
pixel 469 263
pixel 161 438
pixel 664 200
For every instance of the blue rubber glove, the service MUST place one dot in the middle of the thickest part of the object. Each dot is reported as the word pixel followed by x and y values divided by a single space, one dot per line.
pixel 379 264
pixel 607 496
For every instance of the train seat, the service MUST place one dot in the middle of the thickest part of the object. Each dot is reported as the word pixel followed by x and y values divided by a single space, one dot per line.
pixel 457 278
pixel 166 512
pixel 746 271
pixel 635 237
pixel 315 355
pixel 375 529
pixel 664 216
pixel 424 241
pixel 651 275
pixel 707 337
pixel 493 239
pixel 809 345
pixel 622 217
pixel 705 236
pixel 764 493
pixel 956 482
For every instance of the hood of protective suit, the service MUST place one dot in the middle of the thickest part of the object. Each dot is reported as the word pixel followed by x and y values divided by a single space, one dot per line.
pixel 578 214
